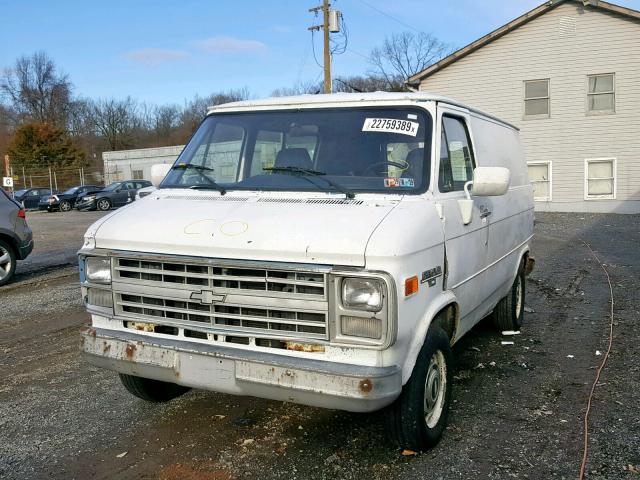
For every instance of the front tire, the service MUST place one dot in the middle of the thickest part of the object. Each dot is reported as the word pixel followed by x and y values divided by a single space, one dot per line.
pixel 7 262
pixel 509 311
pixel 103 204
pixel 416 420
pixel 65 206
pixel 150 390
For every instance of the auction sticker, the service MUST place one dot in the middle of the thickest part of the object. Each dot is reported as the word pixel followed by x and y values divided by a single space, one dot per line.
pixel 391 125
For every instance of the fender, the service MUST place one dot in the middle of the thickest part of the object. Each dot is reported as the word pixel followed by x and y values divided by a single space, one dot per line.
pixel 441 301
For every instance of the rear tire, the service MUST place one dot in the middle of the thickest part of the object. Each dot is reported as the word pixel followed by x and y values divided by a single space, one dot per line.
pixel 150 390
pixel 65 206
pixel 416 420
pixel 509 311
pixel 7 262
pixel 103 204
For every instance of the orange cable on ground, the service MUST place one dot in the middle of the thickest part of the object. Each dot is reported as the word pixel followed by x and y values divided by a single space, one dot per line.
pixel 585 452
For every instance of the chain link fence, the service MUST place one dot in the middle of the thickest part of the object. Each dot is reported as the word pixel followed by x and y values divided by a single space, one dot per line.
pixel 59 179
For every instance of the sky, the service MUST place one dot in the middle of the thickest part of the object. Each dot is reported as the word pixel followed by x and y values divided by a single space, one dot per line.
pixel 165 51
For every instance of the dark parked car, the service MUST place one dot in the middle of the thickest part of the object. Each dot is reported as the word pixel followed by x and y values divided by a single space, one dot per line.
pixel 16 239
pixel 115 195
pixel 65 201
pixel 30 197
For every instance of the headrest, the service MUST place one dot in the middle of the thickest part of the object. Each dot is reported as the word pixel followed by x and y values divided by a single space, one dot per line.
pixel 293 157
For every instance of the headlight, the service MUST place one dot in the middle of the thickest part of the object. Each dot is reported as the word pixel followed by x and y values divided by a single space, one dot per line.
pixel 98 269
pixel 362 294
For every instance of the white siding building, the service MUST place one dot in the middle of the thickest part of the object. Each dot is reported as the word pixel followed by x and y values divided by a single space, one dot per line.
pixel 136 164
pixel 567 73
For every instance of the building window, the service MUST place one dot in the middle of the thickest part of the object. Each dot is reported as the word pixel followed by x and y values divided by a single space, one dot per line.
pixel 536 98
pixel 601 97
pixel 600 178
pixel 137 174
pixel 540 178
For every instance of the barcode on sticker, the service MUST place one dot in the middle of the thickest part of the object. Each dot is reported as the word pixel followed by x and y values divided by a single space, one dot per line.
pixel 391 125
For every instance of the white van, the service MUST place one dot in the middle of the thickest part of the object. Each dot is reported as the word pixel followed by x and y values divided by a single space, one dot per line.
pixel 324 249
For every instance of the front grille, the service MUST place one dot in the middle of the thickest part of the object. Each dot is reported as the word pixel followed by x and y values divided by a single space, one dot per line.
pixel 225 317
pixel 240 303
pixel 224 279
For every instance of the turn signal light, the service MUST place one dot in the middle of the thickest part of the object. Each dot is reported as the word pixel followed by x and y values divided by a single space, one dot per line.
pixel 410 286
pixel 21 213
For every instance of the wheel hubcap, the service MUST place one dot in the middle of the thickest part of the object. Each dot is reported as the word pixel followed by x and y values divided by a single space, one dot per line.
pixel 5 263
pixel 65 207
pixel 435 388
pixel 104 205
pixel 518 296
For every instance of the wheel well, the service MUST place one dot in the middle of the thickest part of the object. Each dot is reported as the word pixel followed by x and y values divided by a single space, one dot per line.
pixel 11 242
pixel 447 319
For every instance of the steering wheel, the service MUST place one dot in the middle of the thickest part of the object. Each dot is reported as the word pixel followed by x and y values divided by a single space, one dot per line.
pixel 370 168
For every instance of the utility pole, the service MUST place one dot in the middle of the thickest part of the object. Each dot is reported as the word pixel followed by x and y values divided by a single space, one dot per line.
pixel 330 23
pixel 50 180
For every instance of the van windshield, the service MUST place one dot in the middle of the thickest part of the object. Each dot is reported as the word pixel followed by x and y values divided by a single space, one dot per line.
pixel 337 150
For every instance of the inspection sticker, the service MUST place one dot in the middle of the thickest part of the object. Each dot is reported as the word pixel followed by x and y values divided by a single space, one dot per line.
pixel 399 182
pixel 391 125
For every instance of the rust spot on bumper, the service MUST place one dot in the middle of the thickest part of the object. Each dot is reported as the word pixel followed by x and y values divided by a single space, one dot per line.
pixel 365 386
pixel 130 351
pixel 106 347
pixel 88 331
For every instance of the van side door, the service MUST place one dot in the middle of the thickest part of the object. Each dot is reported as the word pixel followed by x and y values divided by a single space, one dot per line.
pixel 466 245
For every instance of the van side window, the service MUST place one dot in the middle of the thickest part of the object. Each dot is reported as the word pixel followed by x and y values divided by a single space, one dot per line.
pixel 456 155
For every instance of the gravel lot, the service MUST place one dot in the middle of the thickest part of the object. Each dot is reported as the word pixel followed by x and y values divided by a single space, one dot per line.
pixel 518 409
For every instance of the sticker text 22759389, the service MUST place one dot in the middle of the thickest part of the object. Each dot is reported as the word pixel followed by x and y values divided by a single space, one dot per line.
pixel 391 125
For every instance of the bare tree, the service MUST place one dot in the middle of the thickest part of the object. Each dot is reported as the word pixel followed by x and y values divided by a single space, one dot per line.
pixel 116 121
pixel 301 88
pixel 37 90
pixel 164 121
pixel 360 83
pixel 195 109
pixel 405 54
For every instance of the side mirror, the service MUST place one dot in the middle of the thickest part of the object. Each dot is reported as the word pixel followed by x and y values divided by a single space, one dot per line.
pixel 158 172
pixel 487 182
pixel 490 181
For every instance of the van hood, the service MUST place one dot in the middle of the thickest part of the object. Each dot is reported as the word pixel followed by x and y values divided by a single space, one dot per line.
pixel 319 230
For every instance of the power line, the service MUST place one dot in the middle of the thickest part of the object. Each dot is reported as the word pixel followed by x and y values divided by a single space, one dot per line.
pixel 381 12
pixel 357 53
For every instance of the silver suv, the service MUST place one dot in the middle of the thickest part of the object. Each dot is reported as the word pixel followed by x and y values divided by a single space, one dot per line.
pixel 16 239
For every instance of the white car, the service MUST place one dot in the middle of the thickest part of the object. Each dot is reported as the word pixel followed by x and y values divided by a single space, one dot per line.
pixel 326 250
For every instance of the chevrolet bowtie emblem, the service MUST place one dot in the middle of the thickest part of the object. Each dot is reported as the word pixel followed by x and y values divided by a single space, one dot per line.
pixel 207 297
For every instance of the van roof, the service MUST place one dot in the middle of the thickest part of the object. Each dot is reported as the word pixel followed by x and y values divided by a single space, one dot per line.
pixel 335 98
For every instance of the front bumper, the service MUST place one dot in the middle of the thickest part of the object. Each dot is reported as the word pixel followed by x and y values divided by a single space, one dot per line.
pixel 88 205
pixel 26 249
pixel 312 382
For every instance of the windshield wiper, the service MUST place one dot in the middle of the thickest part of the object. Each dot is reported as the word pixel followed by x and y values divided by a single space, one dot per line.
pixel 314 173
pixel 201 168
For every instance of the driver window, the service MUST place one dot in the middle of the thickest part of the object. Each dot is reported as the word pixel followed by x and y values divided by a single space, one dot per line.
pixel 456 155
